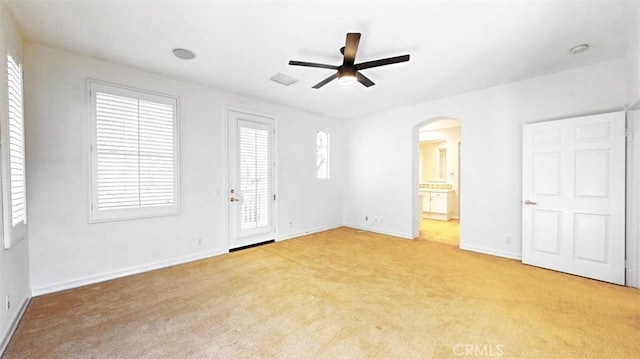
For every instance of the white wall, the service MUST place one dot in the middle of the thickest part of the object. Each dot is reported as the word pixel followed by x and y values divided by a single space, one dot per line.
pixel 633 75
pixel 380 149
pixel 67 251
pixel 14 265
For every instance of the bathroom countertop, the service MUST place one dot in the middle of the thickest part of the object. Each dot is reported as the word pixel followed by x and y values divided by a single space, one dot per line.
pixel 434 190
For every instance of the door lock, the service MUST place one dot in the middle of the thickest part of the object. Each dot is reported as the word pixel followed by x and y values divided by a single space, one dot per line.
pixel 530 202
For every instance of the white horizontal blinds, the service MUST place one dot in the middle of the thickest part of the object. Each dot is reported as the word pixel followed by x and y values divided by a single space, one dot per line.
pixel 254 177
pixel 117 152
pixel 16 142
pixel 322 155
pixel 134 151
pixel 156 154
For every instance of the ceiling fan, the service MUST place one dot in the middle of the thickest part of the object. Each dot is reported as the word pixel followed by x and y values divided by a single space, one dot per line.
pixel 349 71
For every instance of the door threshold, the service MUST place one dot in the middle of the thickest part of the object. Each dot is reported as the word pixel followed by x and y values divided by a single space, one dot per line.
pixel 250 246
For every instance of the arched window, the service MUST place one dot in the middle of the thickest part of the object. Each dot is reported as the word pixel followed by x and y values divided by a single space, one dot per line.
pixel 322 155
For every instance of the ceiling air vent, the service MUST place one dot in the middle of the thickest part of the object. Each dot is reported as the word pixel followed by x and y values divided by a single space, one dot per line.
pixel 283 79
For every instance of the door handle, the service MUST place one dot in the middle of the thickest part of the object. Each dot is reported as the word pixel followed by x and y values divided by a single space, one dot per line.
pixel 234 199
pixel 530 202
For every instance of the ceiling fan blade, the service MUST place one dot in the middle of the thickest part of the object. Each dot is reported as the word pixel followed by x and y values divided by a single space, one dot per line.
pixel 312 64
pixel 351 47
pixel 325 81
pixel 382 62
pixel 364 80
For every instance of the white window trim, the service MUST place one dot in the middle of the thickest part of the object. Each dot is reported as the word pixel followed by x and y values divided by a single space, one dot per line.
pixel 12 233
pixel 97 216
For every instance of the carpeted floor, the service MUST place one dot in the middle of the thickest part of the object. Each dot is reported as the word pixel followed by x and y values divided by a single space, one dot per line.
pixel 337 294
pixel 440 231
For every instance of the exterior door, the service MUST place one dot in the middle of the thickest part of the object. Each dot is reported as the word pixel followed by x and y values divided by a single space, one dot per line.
pixel 573 214
pixel 251 186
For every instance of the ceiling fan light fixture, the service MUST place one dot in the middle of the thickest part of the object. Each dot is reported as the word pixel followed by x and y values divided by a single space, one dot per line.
pixel 347 75
pixel 347 79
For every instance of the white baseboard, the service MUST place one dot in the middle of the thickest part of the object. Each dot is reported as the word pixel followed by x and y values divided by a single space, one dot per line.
pixel 304 233
pixel 13 325
pixel 490 251
pixel 380 231
pixel 75 283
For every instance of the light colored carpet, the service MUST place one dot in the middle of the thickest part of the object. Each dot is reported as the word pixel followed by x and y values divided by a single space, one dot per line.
pixel 440 231
pixel 337 294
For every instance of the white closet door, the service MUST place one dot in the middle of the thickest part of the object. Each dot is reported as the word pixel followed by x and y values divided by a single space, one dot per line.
pixel 573 214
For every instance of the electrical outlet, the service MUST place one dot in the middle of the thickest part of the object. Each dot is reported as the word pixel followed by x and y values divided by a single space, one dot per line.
pixel 7 301
pixel 366 218
pixel 507 239
pixel 375 219
pixel 290 224
pixel 199 241
pixel 381 220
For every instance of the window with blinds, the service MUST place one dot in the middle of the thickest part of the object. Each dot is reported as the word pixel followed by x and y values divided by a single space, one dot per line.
pixel 322 155
pixel 254 177
pixel 16 143
pixel 134 153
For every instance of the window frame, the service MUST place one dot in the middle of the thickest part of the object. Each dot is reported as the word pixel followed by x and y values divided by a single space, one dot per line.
pixel 12 232
pixel 328 154
pixel 96 215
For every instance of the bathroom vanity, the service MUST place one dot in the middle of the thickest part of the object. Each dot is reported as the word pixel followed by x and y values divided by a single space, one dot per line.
pixel 437 203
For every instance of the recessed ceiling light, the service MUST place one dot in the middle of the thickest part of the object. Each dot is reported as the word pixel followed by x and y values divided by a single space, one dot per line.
pixel 283 79
pixel 579 49
pixel 184 54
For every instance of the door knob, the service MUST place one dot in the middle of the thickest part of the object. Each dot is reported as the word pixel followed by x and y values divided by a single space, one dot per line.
pixel 530 202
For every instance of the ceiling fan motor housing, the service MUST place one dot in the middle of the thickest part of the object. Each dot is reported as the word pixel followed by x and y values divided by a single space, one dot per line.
pixel 347 70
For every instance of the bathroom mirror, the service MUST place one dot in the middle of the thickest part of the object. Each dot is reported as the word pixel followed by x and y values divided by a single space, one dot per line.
pixel 433 161
pixel 442 164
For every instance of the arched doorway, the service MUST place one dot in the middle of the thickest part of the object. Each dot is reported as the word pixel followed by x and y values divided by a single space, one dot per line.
pixel 436 179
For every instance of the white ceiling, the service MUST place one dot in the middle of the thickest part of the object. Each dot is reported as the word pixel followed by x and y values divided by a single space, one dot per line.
pixel 455 47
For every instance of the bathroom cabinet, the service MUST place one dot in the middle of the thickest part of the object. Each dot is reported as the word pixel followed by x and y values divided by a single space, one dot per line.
pixel 437 204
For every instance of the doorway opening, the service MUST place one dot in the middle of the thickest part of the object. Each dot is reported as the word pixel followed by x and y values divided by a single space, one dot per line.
pixel 437 181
